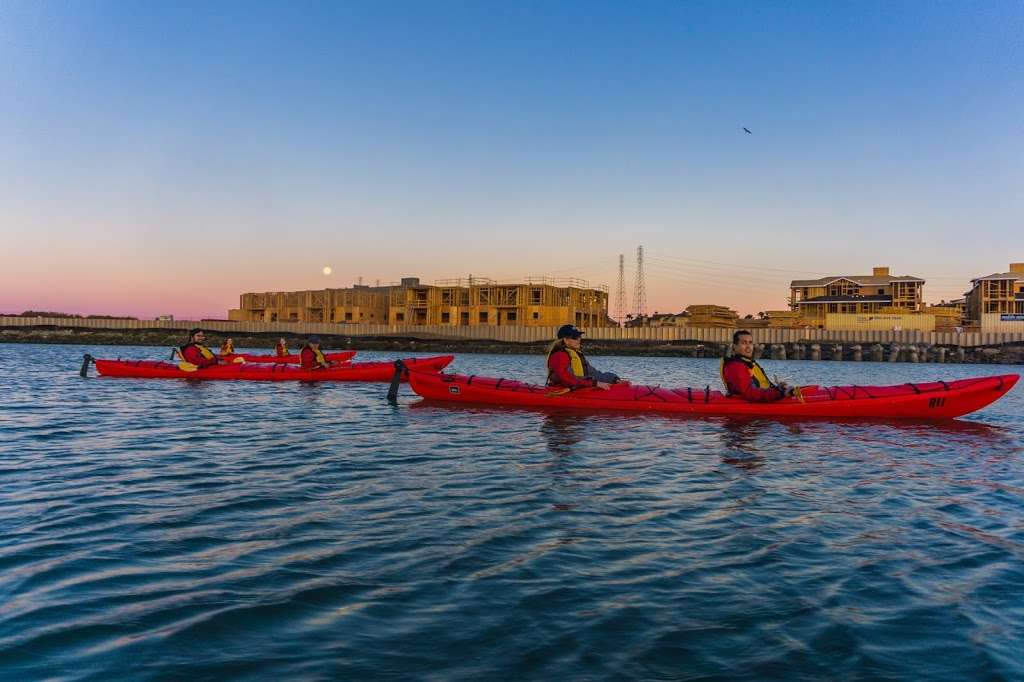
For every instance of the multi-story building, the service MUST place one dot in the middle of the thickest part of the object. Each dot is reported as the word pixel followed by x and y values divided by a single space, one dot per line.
pixel 874 293
pixel 480 301
pixel 469 302
pixel 1001 293
pixel 363 304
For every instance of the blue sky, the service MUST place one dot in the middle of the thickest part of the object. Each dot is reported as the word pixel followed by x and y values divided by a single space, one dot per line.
pixel 161 158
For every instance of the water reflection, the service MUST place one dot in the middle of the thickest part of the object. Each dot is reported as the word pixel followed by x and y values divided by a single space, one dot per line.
pixel 740 440
pixel 562 432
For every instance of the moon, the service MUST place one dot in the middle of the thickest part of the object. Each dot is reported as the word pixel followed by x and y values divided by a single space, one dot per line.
pixel 327 269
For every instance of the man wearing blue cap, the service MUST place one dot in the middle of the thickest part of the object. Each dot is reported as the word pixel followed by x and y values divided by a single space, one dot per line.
pixel 568 367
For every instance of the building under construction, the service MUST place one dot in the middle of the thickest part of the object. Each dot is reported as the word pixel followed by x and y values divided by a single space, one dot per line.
pixel 879 292
pixel 1001 293
pixel 539 301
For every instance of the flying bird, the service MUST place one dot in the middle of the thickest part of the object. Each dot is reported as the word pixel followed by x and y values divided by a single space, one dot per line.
pixel 747 131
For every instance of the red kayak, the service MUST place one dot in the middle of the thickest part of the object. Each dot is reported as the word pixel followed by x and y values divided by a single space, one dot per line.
pixel 350 371
pixel 932 400
pixel 340 356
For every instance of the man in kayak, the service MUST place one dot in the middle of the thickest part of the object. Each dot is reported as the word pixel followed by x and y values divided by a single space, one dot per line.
pixel 745 378
pixel 281 349
pixel 195 352
pixel 569 368
pixel 228 347
pixel 311 357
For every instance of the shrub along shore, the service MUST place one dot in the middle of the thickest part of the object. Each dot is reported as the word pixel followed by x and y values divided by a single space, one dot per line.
pixel 1012 354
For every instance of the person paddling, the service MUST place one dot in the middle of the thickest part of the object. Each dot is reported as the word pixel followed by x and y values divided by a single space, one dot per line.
pixel 196 352
pixel 569 368
pixel 311 357
pixel 281 349
pixel 745 378
pixel 228 347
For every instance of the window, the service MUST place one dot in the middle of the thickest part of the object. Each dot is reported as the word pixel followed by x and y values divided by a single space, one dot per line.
pixel 293 317
pixel 464 318
pixel 536 316
pixel 535 296
pixel 348 317
pixel 399 317
pixel 445 318
pixel 510 316
pixel 483 317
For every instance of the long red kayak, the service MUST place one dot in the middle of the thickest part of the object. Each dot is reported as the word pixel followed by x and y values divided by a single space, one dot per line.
pixel 352 371
pixel 340 356
pixel 933 400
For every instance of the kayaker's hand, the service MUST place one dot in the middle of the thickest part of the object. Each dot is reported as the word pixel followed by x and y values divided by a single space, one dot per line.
pixel 603 385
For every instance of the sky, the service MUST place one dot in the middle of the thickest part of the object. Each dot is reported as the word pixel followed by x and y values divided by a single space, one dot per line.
pixel 162 158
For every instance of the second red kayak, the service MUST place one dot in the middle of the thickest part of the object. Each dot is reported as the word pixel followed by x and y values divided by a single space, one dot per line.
pixel 931 400
pixel 340 356
pixel 350 371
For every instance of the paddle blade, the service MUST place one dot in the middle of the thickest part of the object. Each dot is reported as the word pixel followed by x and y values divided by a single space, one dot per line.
pixel 238 361
pixel 187 367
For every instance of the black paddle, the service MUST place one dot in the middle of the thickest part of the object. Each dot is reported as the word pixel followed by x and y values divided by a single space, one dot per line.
pixel 86 359
pixel 396 380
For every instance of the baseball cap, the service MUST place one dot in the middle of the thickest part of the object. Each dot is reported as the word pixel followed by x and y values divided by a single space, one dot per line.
pixel 567 331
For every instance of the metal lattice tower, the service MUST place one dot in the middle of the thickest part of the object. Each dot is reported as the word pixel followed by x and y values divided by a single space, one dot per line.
pixel 639 289
pixel 620 292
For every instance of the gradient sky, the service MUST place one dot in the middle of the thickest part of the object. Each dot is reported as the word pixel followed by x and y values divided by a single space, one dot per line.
pixel 163 158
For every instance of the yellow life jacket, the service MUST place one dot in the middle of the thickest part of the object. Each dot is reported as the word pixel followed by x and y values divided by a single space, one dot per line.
pixel 318 356
pixel 757 375
pixel 227 348
pixel 281 350
pixel 575 362
pixel 207 353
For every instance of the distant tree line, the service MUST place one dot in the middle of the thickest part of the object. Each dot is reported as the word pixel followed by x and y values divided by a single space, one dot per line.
pixel 50 313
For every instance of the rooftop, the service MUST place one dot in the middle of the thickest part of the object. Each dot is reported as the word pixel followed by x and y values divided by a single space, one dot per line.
pixel 863 280
pixel 1000 275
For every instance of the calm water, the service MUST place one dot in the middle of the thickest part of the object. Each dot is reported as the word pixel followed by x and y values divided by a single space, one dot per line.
pixel 185 530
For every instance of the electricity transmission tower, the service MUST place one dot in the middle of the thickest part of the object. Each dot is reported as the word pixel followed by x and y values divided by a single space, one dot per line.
pixel 639 289
pixel 620 292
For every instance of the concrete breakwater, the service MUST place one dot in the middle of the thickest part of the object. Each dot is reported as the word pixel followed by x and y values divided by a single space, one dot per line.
pixel 893 352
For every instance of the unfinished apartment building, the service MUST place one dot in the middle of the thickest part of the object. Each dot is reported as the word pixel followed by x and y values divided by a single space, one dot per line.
pixel 459 302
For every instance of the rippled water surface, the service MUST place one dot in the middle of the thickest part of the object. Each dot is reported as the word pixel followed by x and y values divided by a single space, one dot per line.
pixel 164 529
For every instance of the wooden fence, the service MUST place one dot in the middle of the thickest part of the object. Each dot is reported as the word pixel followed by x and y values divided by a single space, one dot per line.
pixel 531 334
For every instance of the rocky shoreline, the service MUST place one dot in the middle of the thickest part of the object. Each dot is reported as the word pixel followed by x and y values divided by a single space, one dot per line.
pixel 1011 354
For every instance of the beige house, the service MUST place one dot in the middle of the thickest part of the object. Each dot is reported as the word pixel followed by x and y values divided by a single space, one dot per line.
pixel 878 292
